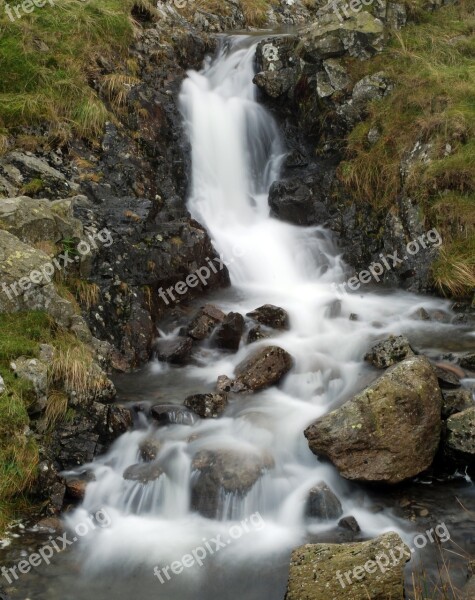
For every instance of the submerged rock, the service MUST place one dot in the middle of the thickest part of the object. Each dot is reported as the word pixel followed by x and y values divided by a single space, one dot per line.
pixel 172 414
pixel 271 316
pixel 207 406
pixel 143 473
pixel 149 449
pixel 389 352
pixel 349 523
pixel 175 351
pixel 322 503
pixel 335 571
pixel 363 438
pixel 229 333
pixel 205 321
pixel 257 333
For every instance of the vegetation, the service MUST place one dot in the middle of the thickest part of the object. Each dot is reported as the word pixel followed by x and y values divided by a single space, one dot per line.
pixel 47 60
pixel 431 63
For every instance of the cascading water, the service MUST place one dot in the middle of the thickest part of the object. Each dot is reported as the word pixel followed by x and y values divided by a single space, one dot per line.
pixel 237 153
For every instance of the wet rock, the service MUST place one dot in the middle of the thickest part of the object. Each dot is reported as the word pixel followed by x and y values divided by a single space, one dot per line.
pixel 229 333
pixel 298 200
pixel 349 523
pixel 421 315
pixel 256 334
pixel 468 362
pixel 224 384
pixel 50 525
pixel 205 321
pixel 171 414
pixel 363 437
pixel 76 488
pixel 149 449
pixel 143 473
pixel 276 84
pixel 177 351
pixel 264 368
pixel 455 401
pixel 447 376
pixel 460 434
pixel 322 503
pixel 224 471
pixel 389 352
pixel 317 571
pixel 207 406
pixel 271 316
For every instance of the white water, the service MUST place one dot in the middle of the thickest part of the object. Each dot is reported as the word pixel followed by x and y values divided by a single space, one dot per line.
pixel 237 153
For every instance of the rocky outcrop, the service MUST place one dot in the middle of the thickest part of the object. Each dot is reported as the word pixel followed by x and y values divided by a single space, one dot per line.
pixel 264 368
pixel 363 437
pixel 372 569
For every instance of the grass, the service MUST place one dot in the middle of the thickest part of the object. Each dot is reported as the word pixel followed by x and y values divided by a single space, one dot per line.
pixel 254 11
pixel 47 60
pixel 432 65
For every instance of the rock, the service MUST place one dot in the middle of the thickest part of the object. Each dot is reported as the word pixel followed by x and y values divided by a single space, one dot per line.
pixel 143 473
pixel 455 401
pixel 76 488
pixel 447 376
pixel 322 503
pixel 224 470
pixel 468 362
pixel 337 74
pixel 460 434
pixel 324 87
pixel 271 316
pixel 149 449
pixel 363 437
pixel 389 352
pixel 264 368
pixel 177 351
pixel 171 414
pixel 421 315
pixel 256 334
pixel 50 525
pixel 229 333
pixel 396 15
pixel 349 523
pixel 224 384
pixel 298 200
pixel 276 83
pixel 318 571
pixel 205 321
pixel 207 406
pixel 2 385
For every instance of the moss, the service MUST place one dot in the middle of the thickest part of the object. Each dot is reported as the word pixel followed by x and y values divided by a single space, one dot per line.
pixel 433 102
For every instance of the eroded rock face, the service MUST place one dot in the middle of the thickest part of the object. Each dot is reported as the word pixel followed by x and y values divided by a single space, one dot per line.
pixel 389 352
pixel 207 406
pixel 271 316
pixel 322 503
pixel 317 571
pixel 224 471
pixel 264 368
pixel 363 437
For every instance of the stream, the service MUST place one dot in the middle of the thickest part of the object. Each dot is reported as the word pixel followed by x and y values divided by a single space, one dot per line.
pixel 237 152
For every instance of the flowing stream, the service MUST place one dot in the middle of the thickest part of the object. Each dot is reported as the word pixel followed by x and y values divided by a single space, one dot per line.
pixel 237 152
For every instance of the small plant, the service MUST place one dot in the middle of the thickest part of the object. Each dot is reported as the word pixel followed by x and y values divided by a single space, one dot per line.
pixel 32 188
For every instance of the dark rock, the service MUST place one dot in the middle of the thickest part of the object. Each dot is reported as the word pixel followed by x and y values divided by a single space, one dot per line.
pixel 171 414
pixel 349 523
pixel 205 321
pixel 175 351
pixel 271 316
pixel 322 503
pixel 149 449
pixel 455 401
pixel 76 488
pixel 447 377
pixel 143 473
pixel 224 470
pixel 229 333
pixel 421 315
pixel 299 201
pixel 468 362
pixel 363 438
pixel 389 352
pixel 256 334
pixel 207 406
pixel 264 368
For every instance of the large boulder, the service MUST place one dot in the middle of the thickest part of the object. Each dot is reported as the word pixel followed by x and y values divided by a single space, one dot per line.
pixel 264 368
pixel 226 471
pixel 363 438
pixel 359 571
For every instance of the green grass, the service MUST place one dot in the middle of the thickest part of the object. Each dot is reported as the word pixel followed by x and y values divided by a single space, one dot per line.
pixel 48 59
pixel 432 63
